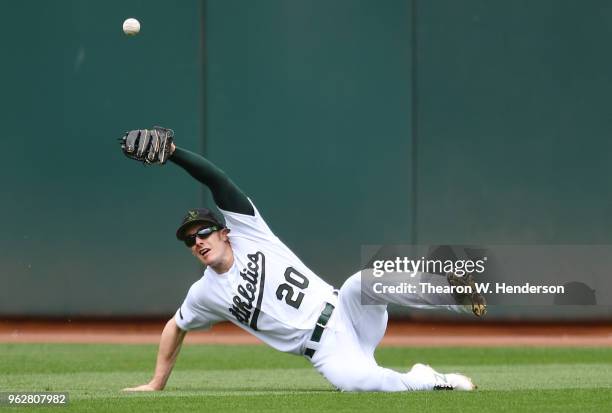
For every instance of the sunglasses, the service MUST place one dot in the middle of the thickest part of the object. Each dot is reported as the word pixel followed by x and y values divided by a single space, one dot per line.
pixel 202 233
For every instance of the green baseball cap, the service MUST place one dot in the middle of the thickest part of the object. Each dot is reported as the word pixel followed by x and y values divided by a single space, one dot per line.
pixel 201 215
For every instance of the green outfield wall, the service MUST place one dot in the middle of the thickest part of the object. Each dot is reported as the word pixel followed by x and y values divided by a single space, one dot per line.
pixel 84 231
pixel 347 122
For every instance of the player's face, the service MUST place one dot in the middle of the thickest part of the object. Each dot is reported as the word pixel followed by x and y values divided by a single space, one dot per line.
pixel 212 248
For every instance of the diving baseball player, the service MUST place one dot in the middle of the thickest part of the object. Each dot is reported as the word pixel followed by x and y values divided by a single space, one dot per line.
pixel 256 282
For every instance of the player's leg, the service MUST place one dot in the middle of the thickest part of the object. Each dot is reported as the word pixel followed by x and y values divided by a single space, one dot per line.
pixel 420 297
pixel 368 321
pixel 342 361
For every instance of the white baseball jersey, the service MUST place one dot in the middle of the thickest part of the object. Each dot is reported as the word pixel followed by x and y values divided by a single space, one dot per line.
pixel 268 291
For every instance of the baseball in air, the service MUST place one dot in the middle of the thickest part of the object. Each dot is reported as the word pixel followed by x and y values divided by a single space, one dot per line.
pixel 131 26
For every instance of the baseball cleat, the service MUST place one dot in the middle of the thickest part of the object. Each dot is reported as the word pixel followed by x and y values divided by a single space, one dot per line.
pixel 453 381
pixel 460 382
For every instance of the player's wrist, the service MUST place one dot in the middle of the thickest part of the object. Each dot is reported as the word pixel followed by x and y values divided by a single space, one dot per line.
pixel 157 384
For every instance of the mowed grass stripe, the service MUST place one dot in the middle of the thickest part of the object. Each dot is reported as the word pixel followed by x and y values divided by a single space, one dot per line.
pixel 528 401
pixel 255 378
pixel 43 358
pixel 92 384
pixel 87 385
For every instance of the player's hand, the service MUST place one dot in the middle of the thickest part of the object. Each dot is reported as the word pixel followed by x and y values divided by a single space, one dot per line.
pixel 143 387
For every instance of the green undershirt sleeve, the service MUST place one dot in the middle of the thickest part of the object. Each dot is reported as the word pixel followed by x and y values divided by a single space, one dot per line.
pixel 226 193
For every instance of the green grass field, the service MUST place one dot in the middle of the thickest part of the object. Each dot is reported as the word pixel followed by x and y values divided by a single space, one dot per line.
pixel 256 378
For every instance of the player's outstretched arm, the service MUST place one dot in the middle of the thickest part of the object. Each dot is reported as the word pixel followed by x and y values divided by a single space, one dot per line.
pixel 169 348
pixel 155 146
pixel 225 192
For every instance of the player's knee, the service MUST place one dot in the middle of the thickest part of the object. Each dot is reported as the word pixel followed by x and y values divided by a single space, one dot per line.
pixel 352 283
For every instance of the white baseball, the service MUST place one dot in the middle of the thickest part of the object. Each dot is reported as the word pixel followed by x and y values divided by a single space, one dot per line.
pixel 131 26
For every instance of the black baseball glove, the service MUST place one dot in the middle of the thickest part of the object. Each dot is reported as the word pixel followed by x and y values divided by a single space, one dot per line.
pixel 473 299
pixel 150 146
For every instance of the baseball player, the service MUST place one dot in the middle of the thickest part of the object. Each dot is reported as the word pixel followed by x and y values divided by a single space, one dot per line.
pixel 255 281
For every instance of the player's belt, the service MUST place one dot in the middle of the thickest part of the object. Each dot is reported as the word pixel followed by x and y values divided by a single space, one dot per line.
pixel 321 323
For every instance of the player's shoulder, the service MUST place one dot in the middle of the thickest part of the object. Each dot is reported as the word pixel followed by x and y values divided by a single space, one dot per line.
pixel 199 285
pixel 248 226
pixel 227 213
pixel 201 292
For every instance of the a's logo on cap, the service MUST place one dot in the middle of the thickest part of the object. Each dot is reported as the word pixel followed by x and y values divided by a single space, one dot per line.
pixel 191 215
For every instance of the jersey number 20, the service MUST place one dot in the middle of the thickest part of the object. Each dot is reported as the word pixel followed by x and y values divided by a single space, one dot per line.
pixel 295 279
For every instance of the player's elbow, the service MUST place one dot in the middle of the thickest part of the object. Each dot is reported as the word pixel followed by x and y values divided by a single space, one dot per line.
pixel 173 328
pixel 171 323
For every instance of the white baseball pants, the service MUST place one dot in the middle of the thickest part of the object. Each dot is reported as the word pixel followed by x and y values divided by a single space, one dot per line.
pixel 345 354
